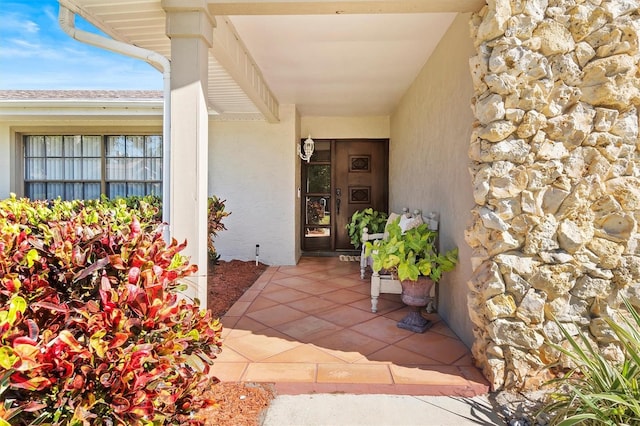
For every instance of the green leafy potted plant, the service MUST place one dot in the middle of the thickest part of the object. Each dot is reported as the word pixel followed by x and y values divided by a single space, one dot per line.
pixel 413 258
pixel 369 218
pixel 215 214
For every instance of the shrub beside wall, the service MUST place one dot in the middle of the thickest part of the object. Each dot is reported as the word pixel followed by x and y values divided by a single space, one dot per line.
pixel 556 175
pixel 92 330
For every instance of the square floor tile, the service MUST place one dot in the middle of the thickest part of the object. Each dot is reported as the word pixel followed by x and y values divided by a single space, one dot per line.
pixel 474 375
pixel 228 355
pixel 322 276
pixel 316 288
pixel 285 295
pixel 272 287
pixel 343 296
pixel 323 302
pixel 260 284
pixel 257 347
pixel 344 356
pixel 307 328
pixel 442 328
pixel 383 329
pixel 398 314
pixel 278 276
pixel 353 345
pixel 301 269
pixel 435 346
pixel 270 332
pixel 312 305
pixel 305 354
pixel 345 282
pixel 238 309
pixel 354 373
pixel 384 306
pixel 293 282
pixel 280 372
pixel 276 315
pixel 249 295
pixel 342 270
pixel 465 361
pixel 249 325
pixel 362 288
pixel 346 316
pixel 228 322
pixel 261 303
pixel 428 375
pixel 229 371
pixel 399 356
pixel 234 333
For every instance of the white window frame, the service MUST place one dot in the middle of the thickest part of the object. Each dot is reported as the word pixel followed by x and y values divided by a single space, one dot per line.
pixel 104 180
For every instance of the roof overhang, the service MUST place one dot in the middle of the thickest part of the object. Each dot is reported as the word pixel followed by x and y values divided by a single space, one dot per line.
pixel 246 70
pixel 315 7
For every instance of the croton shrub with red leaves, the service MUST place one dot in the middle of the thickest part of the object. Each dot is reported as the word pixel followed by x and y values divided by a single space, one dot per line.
pixel 92 328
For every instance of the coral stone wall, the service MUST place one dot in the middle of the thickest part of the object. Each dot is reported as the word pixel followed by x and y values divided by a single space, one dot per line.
pixel 556 177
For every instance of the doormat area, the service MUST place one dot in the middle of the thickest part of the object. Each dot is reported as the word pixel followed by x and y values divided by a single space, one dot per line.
pixel 346 258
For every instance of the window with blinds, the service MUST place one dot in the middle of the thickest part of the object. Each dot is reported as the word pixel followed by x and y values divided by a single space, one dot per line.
pixel 86 166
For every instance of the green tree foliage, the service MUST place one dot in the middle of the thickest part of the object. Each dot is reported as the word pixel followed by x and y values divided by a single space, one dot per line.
pixel 215 215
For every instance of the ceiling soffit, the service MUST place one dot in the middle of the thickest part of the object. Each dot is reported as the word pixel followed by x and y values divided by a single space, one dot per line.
pixel 315 7
pixel 260 70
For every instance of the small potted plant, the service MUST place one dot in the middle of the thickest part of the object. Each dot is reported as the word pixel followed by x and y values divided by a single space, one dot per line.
pixel 369 218
pixel 412 257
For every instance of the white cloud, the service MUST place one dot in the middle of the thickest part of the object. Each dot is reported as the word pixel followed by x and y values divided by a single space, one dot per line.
pixel 11 53
pixel 52 15
pixel 31 27
pixel 14 22
pixel 15 49
pixel 36 54
pixel 25 43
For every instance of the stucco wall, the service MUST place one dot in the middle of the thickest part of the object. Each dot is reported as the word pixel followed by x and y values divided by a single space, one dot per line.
pixel 430 133
pixel 252 164
pixel 5 160
pixel 374 127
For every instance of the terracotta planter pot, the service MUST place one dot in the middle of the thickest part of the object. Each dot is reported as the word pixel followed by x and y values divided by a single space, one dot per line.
pixel 416 295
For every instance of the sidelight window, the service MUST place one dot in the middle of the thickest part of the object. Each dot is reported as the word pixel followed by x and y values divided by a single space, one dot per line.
pixel 317 197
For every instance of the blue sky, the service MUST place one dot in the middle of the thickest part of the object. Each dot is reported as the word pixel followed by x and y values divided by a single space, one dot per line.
pixel 36 54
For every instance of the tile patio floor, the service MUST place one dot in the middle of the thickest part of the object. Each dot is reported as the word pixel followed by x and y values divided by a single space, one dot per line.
pixel 309 328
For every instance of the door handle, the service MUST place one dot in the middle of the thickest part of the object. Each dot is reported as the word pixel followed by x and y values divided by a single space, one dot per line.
pixel 338 206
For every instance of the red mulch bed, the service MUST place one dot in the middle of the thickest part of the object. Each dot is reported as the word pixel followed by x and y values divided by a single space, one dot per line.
pixel 239 404
pixel 227 281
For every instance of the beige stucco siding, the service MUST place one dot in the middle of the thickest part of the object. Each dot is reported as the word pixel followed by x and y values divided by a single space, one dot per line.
pixel 376 127
pixel 430 133
pixel 252 166
pixel 5 160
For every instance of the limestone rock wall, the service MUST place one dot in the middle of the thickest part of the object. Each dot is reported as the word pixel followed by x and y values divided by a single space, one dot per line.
pixel 556 177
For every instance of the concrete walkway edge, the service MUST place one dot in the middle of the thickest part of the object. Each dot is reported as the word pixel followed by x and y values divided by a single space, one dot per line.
pixel 380 410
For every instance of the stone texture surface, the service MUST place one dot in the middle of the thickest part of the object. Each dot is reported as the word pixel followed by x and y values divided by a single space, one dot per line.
pixel 556 179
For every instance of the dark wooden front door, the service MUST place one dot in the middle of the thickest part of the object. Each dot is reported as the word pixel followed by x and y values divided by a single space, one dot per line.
pixel 344 175
pixel 361 172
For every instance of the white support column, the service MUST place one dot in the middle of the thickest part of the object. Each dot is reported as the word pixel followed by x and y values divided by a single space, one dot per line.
pixel 190 28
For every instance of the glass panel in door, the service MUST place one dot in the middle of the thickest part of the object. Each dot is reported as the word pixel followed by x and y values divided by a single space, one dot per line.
pixel 317 199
